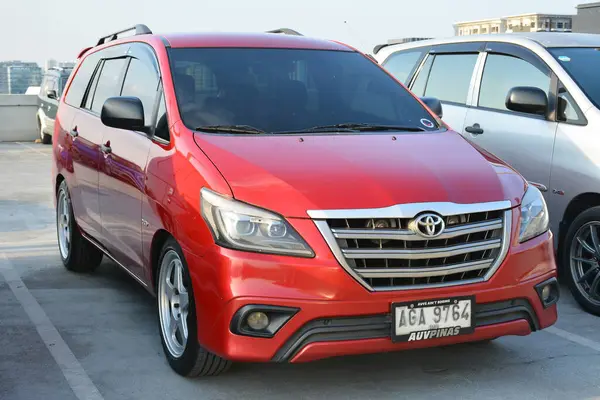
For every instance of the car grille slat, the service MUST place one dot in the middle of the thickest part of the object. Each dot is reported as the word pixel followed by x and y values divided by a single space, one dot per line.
pixel 424 272
pixel 422 254
pixel 405 234
pixel 385 253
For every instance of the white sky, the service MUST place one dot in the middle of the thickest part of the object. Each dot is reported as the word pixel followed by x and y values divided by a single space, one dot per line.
pixel 35 30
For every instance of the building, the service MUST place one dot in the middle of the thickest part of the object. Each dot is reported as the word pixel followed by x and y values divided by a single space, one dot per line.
pixel 17 76
pixel 67 64
pixel 587 19
pixel 52 63
pixel 518 23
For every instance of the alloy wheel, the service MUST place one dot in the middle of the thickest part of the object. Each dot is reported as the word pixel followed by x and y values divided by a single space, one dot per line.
pixel 63 219
pixel 173 304
pixel 585 261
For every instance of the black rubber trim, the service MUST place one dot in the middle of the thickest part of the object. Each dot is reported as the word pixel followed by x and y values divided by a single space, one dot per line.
pixel 380 326
pixel 505 311
pixel 335 329
pixel 165 41
pixel 457 48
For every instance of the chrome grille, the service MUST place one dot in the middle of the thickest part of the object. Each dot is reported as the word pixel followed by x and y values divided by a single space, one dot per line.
pixel 382 253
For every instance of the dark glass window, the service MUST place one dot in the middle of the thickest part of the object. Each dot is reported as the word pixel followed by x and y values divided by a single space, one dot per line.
pixel 142 81
pixel 62 83
pixel 280 90
pixel 162 123
pixel 109 82
pixel 450 77
pixel 49 84
pixel 583 64
pixel 92 88
pixel 81 80
pixel 402 64
pixel 499 77
pixel 419 84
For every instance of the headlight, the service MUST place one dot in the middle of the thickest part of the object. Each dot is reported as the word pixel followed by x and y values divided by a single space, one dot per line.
pixel 534 215
pixel 241 226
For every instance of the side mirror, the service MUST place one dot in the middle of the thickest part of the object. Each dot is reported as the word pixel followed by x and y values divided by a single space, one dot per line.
pixel 530 100
pixel 434 105
pixel 51 94
pixel 123 113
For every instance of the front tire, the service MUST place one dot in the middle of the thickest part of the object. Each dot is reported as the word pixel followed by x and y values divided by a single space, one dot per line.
pixel 177 318
pixel 76 253
pixel 581 258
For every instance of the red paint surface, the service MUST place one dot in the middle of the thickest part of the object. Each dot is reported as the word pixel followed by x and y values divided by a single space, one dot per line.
pixel 161 184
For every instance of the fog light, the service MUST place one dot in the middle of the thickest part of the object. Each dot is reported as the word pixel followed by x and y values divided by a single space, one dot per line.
pixel 546 293
pixel 258 320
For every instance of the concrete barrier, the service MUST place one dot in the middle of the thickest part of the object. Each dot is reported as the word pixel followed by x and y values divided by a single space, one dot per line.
pixel 17 118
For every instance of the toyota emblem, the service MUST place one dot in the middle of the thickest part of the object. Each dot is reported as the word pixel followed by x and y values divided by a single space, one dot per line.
pixel 428 225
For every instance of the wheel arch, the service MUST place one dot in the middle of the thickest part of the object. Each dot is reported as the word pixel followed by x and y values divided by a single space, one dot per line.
pixel 59 180
pixel 576 206
pixel 158 241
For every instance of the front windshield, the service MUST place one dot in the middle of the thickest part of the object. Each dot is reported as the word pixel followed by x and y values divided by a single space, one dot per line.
pixel 286 90
pixel 583 64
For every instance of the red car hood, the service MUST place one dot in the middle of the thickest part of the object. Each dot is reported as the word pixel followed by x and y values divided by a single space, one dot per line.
pixel 290 175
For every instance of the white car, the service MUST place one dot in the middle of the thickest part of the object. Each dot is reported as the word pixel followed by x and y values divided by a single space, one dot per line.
pixel 533 100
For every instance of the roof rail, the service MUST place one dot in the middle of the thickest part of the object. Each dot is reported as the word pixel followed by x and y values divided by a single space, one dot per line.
pixel 140 29
pixel 379 47
pixel 286 31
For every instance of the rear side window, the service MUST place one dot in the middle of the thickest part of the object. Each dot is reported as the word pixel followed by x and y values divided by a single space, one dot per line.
pixel 420 83
pixel 81 80
pixel 402 64
pixel 142 81
pixel 450 77
pixel 109 82
pixel 499 77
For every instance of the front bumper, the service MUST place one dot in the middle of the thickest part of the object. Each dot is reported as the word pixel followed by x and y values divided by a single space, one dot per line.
pixel 328 336
pixel 337 316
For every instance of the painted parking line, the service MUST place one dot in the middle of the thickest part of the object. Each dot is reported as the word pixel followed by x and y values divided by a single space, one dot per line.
pixel 34 149
pixel 573 338
pixel 76 377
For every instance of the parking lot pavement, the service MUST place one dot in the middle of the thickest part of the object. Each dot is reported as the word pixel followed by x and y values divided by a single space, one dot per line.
pixel 66 336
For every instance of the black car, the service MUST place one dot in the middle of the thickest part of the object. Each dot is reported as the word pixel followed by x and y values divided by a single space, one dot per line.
pixel 52 87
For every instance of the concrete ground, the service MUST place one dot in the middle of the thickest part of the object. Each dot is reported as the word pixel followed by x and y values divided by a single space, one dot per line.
pixel 66 336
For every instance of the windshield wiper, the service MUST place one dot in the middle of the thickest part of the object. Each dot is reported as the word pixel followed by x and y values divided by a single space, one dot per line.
pixel 231 129
pixel 356 127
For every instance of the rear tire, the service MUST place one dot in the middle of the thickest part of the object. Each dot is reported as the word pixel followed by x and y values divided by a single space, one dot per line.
pixel 46 139
pixel 177 318
pixel 580 256
pixel 76 253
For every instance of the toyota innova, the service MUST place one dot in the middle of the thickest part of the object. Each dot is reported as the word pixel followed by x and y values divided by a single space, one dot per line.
pixel 286 200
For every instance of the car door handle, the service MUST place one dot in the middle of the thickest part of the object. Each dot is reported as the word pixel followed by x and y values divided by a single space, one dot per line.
pixel 106 149
pixel 475 129
pixel 73 132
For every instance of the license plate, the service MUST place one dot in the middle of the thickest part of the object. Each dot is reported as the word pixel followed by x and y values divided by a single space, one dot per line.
pixel 432 319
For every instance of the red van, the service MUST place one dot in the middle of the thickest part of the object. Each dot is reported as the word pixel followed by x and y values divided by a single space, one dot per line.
pixel 285 199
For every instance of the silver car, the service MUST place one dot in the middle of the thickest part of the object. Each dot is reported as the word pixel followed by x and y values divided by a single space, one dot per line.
pixel 533 100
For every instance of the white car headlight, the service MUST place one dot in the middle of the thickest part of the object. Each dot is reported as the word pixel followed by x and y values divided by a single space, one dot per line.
pixel 534 215
pixel 241 226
